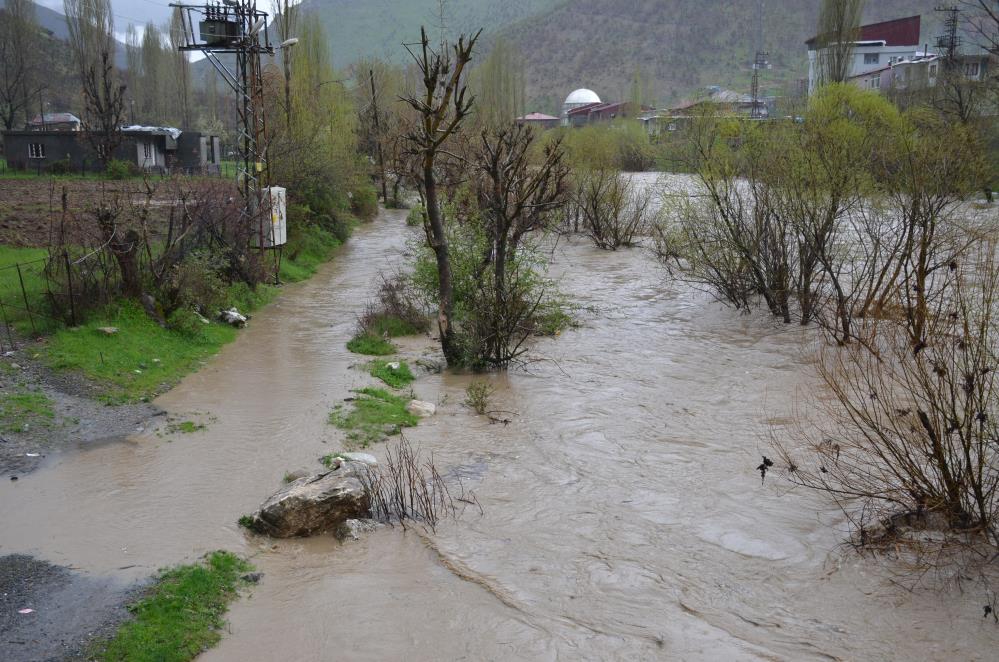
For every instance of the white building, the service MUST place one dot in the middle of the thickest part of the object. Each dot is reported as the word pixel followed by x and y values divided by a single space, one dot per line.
pixel 879 47
pixel 578 99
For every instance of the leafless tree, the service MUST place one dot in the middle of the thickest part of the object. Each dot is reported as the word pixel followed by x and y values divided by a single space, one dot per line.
pixel 442 105
pixel 19 80
pixel 613 210
pixel 92 43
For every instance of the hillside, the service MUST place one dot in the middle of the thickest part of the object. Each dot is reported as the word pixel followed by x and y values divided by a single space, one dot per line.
pixel 679 45
pixel 379 27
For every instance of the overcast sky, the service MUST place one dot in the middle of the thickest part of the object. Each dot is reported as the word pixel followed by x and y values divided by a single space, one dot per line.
pixel 136 12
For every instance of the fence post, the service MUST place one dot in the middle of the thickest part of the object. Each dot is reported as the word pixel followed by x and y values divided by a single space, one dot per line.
pixel 24 293
pixel 6 323
pixel 69 280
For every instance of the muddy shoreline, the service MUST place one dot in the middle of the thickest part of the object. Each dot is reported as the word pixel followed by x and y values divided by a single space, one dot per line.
pixel 79 418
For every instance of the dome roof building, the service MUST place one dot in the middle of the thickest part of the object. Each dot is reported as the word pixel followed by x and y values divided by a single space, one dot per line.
pixel 581 97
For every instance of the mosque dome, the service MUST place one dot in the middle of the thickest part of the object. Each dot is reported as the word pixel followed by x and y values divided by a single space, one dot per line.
pixel 582 96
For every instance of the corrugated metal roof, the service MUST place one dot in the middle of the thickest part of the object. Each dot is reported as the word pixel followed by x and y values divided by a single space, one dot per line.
pixel 55 118
pixel 897 32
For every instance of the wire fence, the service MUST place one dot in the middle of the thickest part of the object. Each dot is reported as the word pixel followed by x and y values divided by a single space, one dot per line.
pixel 41 295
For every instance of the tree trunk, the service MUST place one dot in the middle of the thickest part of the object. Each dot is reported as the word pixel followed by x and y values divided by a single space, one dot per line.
pixel 446 286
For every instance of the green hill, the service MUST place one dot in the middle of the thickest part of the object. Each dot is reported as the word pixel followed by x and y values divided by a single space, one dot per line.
pixel 678 45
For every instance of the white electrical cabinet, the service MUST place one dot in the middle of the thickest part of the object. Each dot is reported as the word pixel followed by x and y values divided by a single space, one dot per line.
pixel 276 202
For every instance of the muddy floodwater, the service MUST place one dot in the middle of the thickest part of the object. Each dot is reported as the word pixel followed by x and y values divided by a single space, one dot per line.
pixel 621 516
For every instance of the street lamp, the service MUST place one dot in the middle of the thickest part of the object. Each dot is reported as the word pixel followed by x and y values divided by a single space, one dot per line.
pixel 286 58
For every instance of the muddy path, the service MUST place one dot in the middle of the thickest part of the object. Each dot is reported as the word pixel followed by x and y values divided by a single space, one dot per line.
pixel 621 514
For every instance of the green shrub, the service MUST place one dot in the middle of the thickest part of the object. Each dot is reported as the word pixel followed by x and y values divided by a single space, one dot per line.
pixel 415 216
pixel 364 202
pixel 117 169
pixel 186 322
pixel 62 167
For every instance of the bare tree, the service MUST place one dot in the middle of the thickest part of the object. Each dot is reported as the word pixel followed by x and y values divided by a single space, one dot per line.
pixel 839 28
pixel 442 106
pixel 92 43
pixel 18 79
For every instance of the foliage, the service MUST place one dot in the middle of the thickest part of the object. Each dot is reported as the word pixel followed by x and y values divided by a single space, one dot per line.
pixel 477 396
pixel 181 616
pixel 370 344
pixel 414 218
pixel 117 169
pixel 364 202
pixel 911 430
pixel 394 373
pixel 374 414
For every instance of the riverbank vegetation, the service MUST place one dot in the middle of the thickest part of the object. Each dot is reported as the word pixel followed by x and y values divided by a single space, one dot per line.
pixel 857 220
pixel 373 415
pixel 181 616
pixel 128 283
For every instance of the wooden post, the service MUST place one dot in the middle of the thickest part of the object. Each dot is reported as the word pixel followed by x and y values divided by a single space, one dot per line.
pixel 69 280
pixel 24 293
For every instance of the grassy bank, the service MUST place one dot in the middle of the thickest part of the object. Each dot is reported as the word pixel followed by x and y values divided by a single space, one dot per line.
pixel 181 616
pixel 141 359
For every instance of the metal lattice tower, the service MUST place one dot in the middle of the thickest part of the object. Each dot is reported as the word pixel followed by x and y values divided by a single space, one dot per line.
pixel 950 42
pixel 238 28
pixel 761 62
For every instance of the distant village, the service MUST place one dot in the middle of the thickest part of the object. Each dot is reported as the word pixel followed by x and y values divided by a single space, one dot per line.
pixel 889 57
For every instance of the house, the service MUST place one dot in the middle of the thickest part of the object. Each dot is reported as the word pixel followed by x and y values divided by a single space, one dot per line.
pixel 54 122
pixel 539 120
pixel 723 102
pixel 154 149
pixel 879 46
pixel 584 107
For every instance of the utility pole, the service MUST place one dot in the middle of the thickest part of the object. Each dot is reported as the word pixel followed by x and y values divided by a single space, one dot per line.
pixel 760 62
pixel 378 135
pixel 239 29
pixel 949 42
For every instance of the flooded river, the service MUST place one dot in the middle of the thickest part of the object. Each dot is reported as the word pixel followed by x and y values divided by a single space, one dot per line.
pixel 622 518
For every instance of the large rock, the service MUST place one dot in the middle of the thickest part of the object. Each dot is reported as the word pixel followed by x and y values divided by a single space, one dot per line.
pixel 421 409
pixel 315 504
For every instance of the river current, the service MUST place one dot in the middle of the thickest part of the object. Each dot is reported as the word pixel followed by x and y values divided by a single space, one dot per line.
pixel 621 514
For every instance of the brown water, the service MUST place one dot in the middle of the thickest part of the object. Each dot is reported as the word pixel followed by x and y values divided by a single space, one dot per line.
pixel 622 517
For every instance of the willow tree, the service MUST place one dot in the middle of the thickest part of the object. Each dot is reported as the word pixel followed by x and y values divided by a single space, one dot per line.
pixel 19 80
pixel 180 71
pixel 320 144
pixel 499 86
pixel 92 44
pixel 839 28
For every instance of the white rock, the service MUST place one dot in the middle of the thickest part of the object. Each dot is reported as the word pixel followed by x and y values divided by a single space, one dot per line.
pixel 364 458
pixel 233 317
pixel 392 366
pixel 421 408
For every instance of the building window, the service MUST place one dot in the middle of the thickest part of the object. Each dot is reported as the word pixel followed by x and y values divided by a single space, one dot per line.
pixel 872 58
pixel 972 69
pixel 36 151
pixel 147 151
pixel 875 83
pixel 933 70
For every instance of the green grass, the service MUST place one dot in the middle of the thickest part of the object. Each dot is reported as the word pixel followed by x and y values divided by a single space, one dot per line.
pixel 399 377
pixel 370 345
pixel 125 362
pixel 181 616
pixel 34 284
pixel 23 407
pixel 375 414
pixel 185 427
pixel 306 249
